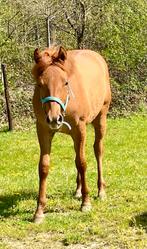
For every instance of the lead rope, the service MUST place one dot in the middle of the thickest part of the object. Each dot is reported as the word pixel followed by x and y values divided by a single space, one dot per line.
pixel 67 124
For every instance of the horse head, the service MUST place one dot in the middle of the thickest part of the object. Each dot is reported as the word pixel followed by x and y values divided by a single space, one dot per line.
pixel 52 80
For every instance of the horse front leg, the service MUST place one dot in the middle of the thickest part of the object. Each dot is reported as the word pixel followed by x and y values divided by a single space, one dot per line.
pixel 79 138
pixel 45 140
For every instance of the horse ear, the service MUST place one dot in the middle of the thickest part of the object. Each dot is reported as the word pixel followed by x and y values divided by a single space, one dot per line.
pixel 36 55
pixel 60 54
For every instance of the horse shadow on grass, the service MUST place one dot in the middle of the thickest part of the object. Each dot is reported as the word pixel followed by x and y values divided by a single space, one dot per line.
pixel 9 204
pixel 140 221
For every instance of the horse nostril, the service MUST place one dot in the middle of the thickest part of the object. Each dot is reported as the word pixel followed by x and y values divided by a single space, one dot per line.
pixel 48 120
pixel 55 120
pixel 60 119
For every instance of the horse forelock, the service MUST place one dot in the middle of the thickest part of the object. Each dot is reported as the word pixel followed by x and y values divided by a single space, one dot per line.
pixel 42 65
pixel 39 68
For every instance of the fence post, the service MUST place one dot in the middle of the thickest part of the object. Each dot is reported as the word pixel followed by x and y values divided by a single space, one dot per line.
pixel 7 97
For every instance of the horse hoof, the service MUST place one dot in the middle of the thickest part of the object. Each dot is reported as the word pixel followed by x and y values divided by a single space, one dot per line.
pixel 102 195
pixel 78 194
pixel 86 207
pixel 38 219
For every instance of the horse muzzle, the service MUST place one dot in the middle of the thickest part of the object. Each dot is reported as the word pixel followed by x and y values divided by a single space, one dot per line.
pixel 55 123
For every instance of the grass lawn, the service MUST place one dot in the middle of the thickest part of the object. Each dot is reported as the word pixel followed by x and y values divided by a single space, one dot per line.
pixel 118 222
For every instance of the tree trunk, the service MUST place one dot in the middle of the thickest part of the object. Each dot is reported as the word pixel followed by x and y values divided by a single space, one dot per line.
pixel 48 31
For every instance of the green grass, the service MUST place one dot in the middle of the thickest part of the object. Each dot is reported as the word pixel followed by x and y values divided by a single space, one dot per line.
pixel 118 222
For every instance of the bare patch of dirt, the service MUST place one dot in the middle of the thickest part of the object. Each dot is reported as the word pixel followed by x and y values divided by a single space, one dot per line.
pixel 48 241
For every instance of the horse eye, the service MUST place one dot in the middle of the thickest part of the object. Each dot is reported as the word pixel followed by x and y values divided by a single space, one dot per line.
pixel 66 83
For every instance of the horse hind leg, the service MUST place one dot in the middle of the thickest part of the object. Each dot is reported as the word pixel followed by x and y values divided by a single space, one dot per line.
pixel 79 137
pixel 78 193
pixel 100 128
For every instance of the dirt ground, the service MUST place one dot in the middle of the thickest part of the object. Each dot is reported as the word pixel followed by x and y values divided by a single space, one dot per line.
pixel 48 241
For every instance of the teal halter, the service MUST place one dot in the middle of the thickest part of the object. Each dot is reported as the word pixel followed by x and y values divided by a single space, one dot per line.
pixel 57 100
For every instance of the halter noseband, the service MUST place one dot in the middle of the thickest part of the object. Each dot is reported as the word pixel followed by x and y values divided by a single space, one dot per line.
pixel 57 100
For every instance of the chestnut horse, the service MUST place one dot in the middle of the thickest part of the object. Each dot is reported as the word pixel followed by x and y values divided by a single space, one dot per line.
pixel 72 90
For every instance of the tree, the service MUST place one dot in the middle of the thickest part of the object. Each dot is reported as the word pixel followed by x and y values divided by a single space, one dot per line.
pixel 76 20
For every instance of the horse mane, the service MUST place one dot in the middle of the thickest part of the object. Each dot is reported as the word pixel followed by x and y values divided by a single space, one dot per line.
pixel 47 58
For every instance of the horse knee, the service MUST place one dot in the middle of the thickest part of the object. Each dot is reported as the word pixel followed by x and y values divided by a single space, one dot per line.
pixel 43 170
pixel 44 167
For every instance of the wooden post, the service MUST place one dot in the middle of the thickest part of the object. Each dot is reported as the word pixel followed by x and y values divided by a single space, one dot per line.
pixel 7 97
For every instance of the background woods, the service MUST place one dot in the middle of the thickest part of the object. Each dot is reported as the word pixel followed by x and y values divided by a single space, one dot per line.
pixel 117 29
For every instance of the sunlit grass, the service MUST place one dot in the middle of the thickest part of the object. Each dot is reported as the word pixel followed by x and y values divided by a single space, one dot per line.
pixel 119 221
